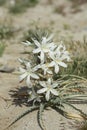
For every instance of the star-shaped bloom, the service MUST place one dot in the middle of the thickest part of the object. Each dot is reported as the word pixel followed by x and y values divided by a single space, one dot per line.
pixel 43 47
pixel 28 73
pixel 64 53
pixel 59 56
pixel 45 67
pixel 48 88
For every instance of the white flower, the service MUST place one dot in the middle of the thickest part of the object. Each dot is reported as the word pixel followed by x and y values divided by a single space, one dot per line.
pixel 59 56
pixel 43 47
pixel 28 73
pixel 45 68
pixel 64 53
pixel 48 87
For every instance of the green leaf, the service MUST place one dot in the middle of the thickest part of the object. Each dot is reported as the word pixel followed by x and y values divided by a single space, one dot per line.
pixel 23 114
pixel 40 119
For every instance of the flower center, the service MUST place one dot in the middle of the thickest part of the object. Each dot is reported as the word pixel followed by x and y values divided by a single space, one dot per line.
pixel 44 48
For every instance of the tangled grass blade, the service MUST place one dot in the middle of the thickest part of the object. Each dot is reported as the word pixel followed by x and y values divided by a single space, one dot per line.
pixel 40 119
pixel 59 110
pixel 74 76
pixel 82 114
pixel 74 116
pixel 74 96
pixel 22 115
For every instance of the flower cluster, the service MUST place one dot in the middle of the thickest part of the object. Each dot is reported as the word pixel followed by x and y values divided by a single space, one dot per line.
pixel 50 57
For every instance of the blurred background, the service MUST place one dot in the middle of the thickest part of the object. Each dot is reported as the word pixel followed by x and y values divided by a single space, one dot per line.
pixel 66 19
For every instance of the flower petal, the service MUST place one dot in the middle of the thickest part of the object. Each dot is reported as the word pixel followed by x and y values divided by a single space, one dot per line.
pixel 27 43
pixel 42 56
pixel 51 54
pixel 42 90
pixel 28 80
pixel 48 95
pixel 60 47
pixel 56 69
pixel 42 83
pixel 45 71
pixel 54 85
pixel 36 50
pixel 35 76
pixel 44 40
pixel 28 66
pixel 52 64
pixel 55 92
pixel 22 70
pixel 49 81
pixel 36 67
pixel 49 72
pixel 36 43
pixel 62 64
pixel 21 77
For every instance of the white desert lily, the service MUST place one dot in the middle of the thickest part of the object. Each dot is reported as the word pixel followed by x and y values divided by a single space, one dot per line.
pixel 64 53
pixel 48 87
pixel 43 47
pixel 59 56
pixel 45 67
pixel 28 73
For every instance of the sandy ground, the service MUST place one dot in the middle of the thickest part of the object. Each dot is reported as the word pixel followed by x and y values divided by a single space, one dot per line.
pixel 43 15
